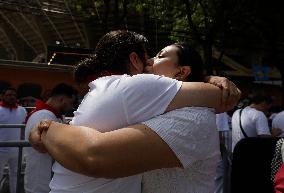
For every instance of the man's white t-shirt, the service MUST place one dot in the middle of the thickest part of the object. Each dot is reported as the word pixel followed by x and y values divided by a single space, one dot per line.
pixel 278 122
pixel 11 116
pixel 9 155
pixel 192 134
pixel 223 122
pixel 254 123
pixel 38 165
pixel 114 102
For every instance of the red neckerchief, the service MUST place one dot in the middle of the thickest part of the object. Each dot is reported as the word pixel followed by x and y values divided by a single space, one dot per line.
pixel 14 106
pixel 40 105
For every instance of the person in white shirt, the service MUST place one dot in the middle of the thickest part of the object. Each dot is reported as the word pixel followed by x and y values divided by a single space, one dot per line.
pixel 138 98
pixel 223 121
pixel 253 120
pixel 10 113
pixel 38 166
pixel 225 136
pixel 278 122
pixel 190 132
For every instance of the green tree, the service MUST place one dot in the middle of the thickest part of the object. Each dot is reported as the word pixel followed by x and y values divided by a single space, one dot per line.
pixel 206 24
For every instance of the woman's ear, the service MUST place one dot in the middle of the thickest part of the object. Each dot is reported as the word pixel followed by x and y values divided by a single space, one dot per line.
pixel 183 73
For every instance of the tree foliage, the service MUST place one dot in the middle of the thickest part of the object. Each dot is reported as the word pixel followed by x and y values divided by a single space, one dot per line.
pixel 244 26
pixel 225 24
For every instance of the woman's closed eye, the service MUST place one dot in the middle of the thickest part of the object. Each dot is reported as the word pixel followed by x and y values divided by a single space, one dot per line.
pixel 160 56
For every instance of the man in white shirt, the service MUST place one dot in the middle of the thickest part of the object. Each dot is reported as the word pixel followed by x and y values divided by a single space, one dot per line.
pixel 38 166
pixel 278 122
pixel 223 121
pixel 225 135
pixel 253 120
pixel 10 113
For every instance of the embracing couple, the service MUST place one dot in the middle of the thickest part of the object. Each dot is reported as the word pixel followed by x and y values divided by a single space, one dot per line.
pixel 161 123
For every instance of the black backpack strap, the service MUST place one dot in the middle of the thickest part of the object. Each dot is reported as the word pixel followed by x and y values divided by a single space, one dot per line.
pixel 52 173
pixel 242 129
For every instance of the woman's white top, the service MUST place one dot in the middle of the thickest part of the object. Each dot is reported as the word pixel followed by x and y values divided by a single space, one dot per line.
pixel 192 135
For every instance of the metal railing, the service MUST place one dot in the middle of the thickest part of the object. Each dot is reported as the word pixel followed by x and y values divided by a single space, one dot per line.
pixel 20 144
pixel 23 143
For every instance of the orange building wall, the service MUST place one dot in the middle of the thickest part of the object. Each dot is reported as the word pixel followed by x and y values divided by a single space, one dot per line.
pixel 47 78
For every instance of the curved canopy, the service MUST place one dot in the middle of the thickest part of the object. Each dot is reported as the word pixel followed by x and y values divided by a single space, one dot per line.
pixel 27 27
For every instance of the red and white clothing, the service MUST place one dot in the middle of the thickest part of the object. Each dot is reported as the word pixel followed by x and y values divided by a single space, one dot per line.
pixel 254 123
pixel 9 155
pixel 278 122
pixel 38 165
pixel 11 115
pixel 114 102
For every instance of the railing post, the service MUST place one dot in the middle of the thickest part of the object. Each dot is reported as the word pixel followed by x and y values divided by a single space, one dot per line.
pixel 19 169
pixel 20 144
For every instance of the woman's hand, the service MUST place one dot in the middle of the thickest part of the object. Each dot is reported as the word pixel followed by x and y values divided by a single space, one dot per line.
pixel 230 93
pixel 36 133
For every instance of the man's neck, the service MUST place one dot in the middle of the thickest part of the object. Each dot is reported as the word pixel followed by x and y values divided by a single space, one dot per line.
pixel 255 106
pixel 53 104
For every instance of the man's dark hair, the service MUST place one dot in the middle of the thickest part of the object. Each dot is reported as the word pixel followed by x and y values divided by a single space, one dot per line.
pixel 63 89
pixel 8 88
pixel 112 54
pixel 257 99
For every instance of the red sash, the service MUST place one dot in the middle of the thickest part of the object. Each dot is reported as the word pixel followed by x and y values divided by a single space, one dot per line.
pixel 14 106
pixel 40 105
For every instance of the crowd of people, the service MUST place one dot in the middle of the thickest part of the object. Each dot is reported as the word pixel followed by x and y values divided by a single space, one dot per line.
pixel 146 124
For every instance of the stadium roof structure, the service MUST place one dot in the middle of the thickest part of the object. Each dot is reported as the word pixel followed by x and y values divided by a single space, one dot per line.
pixel 27 27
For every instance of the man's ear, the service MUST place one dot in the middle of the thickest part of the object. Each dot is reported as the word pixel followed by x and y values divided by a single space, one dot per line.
pixel 61 99
pixel 183 73
pixel 136 65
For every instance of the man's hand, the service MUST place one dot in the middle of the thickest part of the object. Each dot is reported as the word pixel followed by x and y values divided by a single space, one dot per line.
pixel 276 132
pixel 36 133
pixel 230 93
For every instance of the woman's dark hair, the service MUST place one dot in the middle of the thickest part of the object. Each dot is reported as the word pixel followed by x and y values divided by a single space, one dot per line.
pixel 112 54
pixel 188 56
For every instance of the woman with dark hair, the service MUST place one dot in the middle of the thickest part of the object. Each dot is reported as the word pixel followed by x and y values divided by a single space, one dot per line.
pixel 115 101
pixel 193 127
pixel 184 59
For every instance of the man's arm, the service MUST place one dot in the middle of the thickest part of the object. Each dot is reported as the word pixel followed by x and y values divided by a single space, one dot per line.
pixel 188 94
pixel 203 95
pixel 122 152
pixel 118 153
pixel 276 132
